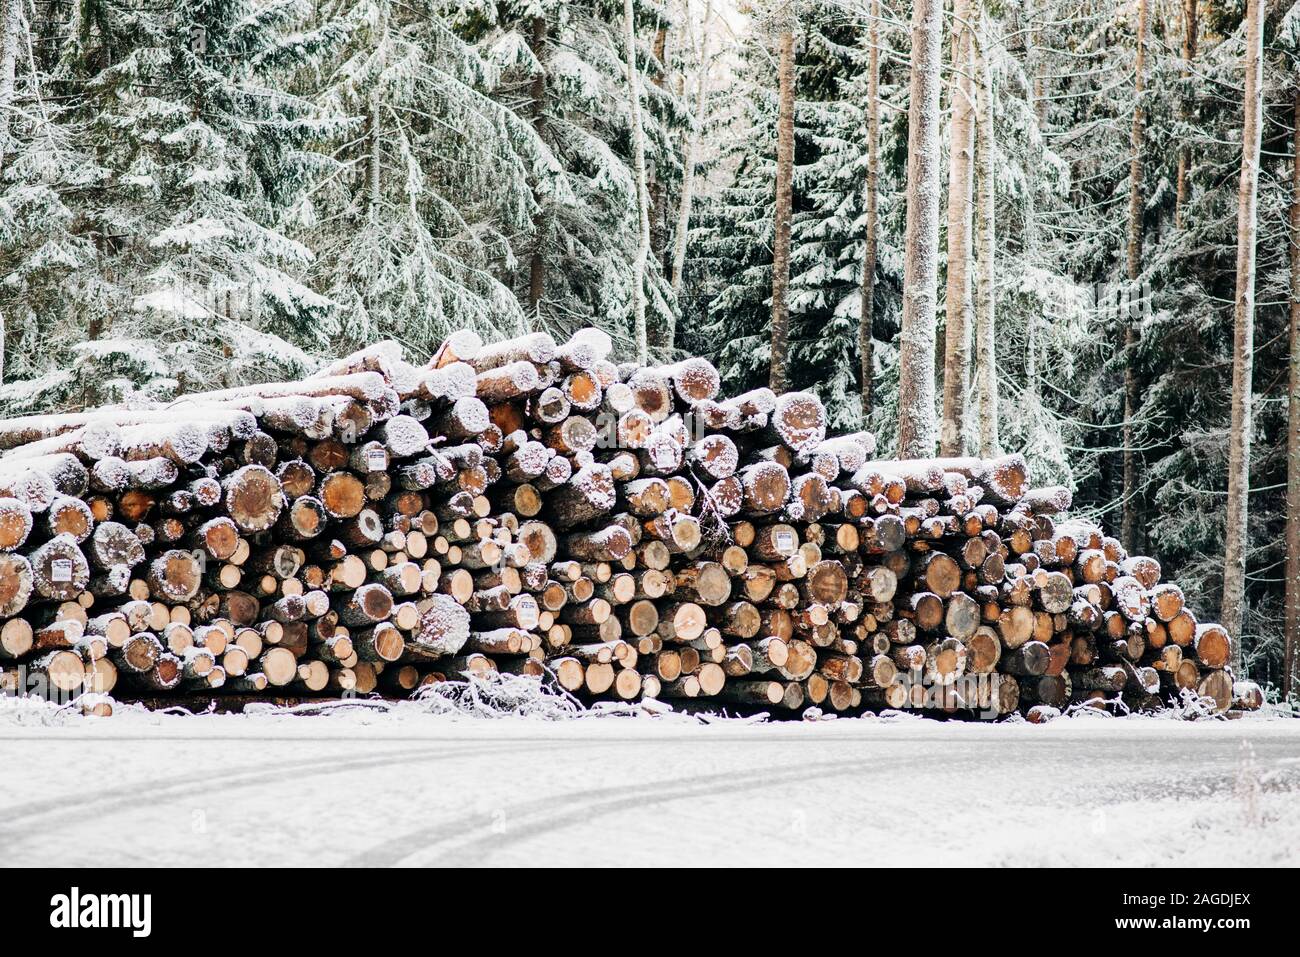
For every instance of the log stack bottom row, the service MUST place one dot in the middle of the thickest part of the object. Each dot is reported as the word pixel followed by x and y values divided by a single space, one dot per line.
pixel 533 508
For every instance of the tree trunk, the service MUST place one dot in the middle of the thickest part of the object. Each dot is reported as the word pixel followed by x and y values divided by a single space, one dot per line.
pixel 868 301
pixel 779 379
pixel 1292 618
pixel 1037 70
pixel 537 261
pixel 1184 155
pixel 1128 526
pixel 372 186
pixel 1243 346
pixel 9 21
pixel 956 360
pixel 690 149
pixel 921 238
pixel 986 385
pixel 642 199
pixel 656 189
pixel 1034 67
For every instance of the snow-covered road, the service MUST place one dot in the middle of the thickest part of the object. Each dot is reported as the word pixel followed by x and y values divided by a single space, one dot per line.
pixel 428 790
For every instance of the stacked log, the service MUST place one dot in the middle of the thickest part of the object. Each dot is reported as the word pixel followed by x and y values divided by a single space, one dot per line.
pixel 532 507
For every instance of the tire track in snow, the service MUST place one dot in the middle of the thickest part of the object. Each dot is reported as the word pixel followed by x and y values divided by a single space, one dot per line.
pixel 21 823
pixel 591 802
pixel 81 802
pixel 476 851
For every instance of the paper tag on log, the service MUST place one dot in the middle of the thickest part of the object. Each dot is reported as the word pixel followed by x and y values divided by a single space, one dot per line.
pixel 376 460
pixel 784 541
pixel 61 570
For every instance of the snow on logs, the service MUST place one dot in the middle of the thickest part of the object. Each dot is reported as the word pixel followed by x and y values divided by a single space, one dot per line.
pixel 530 507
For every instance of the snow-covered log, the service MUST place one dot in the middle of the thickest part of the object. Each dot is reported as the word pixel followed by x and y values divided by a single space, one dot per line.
pixel 528 508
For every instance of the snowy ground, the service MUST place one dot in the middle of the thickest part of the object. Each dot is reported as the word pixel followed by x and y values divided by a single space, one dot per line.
pixel 408 788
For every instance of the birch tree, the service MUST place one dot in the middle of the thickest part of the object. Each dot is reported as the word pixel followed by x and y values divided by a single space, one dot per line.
pixel 956 360
pixel 986 387
pixel 1291 626
pixel 867 311
pixel 1133 258
pixel 690 148
pixel 1243 344
pixel 642 197
pixel 784 200
pixel 921 237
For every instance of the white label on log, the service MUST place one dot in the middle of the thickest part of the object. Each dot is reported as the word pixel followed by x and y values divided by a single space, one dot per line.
pixel 376 460
pixel 61 570
pixel 784 541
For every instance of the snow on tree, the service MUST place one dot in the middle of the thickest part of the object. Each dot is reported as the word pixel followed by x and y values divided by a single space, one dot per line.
pixel 430 179
pixel 194 152
pixel 564 69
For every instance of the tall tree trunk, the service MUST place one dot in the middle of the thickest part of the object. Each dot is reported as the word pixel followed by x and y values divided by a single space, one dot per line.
pixel 642 197
pixel 690 149
pixel 868 302
pixel 780 379
pixel 1243 342
pixel 658 192
pixel 1129 315
pixel 1292 617
pixel 921 238
pixel 537 259
pixel 1035 67
pixel 1038 68
pixel 372 186
pixel 1184 154
pixel 956 341
pixel 985 228
pixel 9 23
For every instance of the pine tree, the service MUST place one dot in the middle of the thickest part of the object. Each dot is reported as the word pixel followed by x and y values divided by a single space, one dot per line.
pixel 200 152
pixel 46 261
pixel 565 71
pixel 432 180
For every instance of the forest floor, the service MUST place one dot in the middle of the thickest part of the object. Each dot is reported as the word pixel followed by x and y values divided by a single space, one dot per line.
pixel 412 788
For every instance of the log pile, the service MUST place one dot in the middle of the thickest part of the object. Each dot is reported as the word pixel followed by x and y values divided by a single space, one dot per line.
pixel 532 507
